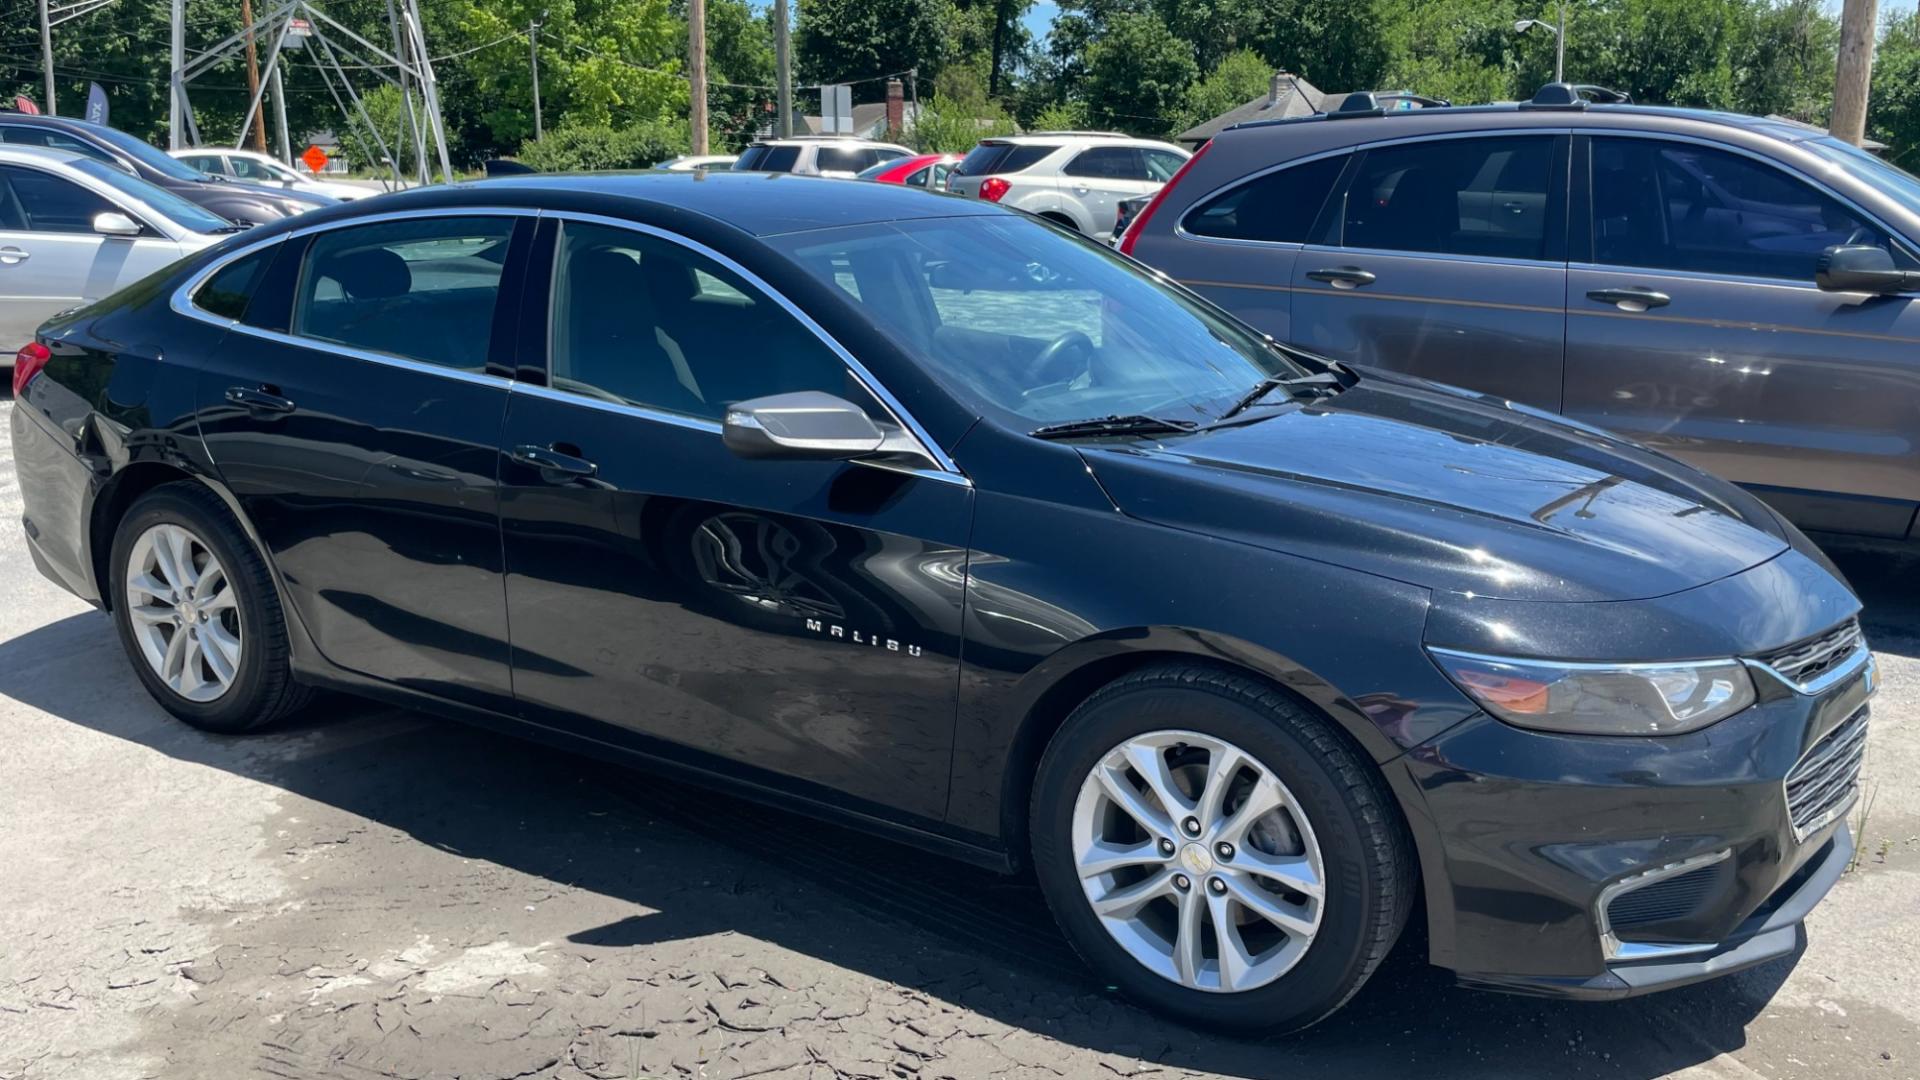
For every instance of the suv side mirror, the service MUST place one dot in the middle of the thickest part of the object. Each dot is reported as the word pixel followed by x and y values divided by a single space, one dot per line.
pixel 1861 268
pixel 115 224
pixel 806 425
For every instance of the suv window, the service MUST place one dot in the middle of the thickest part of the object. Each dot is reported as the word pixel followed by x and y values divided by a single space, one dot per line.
pixel 34 201
pixel 227 292
pixel 1024 157
pixel 845 158
pixel 1162 164
pixel 1678 206
pixel 1108 163
pixel 767 159
pixel 1279 207
pixel 423 289
pixel 1484 197
pixel 982 159
pixel 641 320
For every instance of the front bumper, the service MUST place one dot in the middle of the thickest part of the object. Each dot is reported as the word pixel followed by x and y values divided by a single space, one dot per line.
pixel 1530 838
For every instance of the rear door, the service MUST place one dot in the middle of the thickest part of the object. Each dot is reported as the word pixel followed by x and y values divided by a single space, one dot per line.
pixel 1099 177
pixel 355 412
pixel 51 259
pixel 1694 325
pixel 1445 258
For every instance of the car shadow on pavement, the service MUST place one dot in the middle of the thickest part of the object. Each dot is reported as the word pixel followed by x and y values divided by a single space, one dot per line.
pixel 692 863
pixel 1886 575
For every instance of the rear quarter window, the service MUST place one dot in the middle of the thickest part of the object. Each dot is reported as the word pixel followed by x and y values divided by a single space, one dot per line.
pixel 1279 207
pixel 228 292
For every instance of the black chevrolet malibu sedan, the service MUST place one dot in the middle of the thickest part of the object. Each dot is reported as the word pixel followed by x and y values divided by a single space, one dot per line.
pixel 924 515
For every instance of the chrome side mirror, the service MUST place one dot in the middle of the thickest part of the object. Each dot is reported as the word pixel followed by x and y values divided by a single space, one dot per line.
pixel 115 224
pixel 1861 268
pixel 805 425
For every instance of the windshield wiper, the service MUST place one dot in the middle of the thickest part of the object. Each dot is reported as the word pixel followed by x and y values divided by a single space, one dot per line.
pixel 1318 384
pixel 1133 424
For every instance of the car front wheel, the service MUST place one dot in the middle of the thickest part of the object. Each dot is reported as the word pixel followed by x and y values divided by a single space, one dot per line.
pixel 1217 851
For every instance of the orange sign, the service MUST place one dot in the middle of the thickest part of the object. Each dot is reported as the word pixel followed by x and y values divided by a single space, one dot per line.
pixel 315 158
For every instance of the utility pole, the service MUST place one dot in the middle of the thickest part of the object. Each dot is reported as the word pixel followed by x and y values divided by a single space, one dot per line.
pixel 46 53
pixel 783 65
pixel 258 132
pixel 1853 72
pixel 697 73
pixel 415 137
pixel 176 91
pixel 533 51
pixel 280 117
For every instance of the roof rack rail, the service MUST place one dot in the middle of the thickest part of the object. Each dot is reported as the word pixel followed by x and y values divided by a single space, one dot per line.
pixel 1099 134
pixel 1561 95
pixel 1381 102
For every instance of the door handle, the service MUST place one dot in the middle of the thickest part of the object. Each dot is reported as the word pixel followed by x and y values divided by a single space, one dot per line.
pixel 12 255
pixel 1631 299
pixel 1514 207
pixel 549 459
pixel 1343 277
pixel 1080 189
pixel 261 400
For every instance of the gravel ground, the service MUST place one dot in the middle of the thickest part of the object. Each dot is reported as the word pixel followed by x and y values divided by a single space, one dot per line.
pixel 375 893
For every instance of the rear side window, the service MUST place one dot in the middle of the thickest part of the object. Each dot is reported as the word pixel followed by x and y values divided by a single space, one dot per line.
pixel 845 158
pixel 1024 157
pixel 1279 207
pixel 1477 197
pixel 1108 163
pixel 34 201
pixel 228 291
pixel 424 289
pixel 982 159
pixel 1677 206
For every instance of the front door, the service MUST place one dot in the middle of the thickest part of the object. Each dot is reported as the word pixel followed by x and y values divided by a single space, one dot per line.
pixel 50 257
pixel 798 618
pixel 355 412
pixel 1695 326
pixel 1445 258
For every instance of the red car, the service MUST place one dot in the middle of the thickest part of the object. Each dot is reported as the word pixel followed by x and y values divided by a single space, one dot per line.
pixel 921 170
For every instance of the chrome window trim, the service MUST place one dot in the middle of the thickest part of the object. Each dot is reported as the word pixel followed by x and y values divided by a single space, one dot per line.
pixel 1895 235
pixel 1180 230
pixel 1612 948
pixel 946 469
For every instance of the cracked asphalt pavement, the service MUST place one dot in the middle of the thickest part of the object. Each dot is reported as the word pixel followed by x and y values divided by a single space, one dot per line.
pixel 377 893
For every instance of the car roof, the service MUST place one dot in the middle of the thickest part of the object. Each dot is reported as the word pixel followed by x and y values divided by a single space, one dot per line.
pixel 1372 127
pixel 1089 138
pixel 744 200
pixel 826 140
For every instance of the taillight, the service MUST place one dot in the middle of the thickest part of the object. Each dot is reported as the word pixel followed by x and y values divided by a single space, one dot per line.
pixel 992 188
pixel 1139 224
pixel 27 363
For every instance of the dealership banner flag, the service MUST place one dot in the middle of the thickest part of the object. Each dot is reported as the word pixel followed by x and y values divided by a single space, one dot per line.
pixel 96 104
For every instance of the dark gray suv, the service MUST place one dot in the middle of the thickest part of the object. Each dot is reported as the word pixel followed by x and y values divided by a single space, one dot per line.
pixel 1739 292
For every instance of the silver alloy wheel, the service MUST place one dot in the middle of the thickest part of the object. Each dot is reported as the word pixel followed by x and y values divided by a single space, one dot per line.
pixel 1198 861
pixel 184 613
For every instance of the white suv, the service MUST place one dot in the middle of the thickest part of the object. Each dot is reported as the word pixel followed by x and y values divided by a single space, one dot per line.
pixel 1076 178
pixel 816 155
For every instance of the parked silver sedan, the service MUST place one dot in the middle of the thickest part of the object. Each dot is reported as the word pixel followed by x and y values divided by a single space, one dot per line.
pixel 73 230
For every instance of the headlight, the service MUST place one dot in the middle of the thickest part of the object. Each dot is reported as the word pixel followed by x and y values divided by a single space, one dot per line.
pixel 1602 699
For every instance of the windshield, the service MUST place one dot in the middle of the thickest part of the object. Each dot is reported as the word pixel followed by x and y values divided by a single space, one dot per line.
pixel 1883 176
pixel 177 209
pixel 146 154
pixel 1027 320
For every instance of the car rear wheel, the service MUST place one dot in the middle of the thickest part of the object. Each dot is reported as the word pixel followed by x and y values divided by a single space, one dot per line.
pixel 197 612
pixel 1217 851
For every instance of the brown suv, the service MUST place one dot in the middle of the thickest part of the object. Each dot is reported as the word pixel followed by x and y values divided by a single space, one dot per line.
pixel 1739 292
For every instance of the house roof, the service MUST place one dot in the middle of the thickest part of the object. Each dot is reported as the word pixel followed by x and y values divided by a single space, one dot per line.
pixel 1297 97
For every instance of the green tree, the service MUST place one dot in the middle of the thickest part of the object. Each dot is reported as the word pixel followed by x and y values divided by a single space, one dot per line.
pixel 858 41
pixel 740 65
pixel 1237 79
pixel 1137 76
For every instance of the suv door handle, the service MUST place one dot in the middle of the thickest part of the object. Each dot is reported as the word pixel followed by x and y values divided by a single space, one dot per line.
pixel 1632 299
pixel 551 459
pixel 12 255
pixel 261 400
pixel 1343 277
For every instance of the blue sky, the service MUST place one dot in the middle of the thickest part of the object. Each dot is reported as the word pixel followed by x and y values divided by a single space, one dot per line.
pixel 1040 17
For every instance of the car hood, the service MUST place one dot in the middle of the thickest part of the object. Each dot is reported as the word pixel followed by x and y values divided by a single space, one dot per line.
pixel 1448 490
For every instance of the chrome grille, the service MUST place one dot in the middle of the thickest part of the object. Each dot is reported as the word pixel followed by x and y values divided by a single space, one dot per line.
pixel 1804 661
pixel 1826 779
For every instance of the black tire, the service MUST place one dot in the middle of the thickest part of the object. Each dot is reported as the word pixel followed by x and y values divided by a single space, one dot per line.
pixel 263 688
pixel 1367 854
pixel 1063 221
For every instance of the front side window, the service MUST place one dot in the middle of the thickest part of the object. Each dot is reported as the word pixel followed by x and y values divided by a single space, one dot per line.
pixel 1162 164
pixel 229 290
pixel 1023 319
pixel 35 201
pixel 249 169
pixel 642 321
pixel 1474 197
pixel 206 163
pixel 423 289
pixel 1680 206
pixel 1279 207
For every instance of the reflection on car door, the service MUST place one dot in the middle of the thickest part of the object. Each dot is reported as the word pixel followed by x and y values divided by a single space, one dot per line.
pixel 1444 258
pixel 355 412
pixel 1694 324
pixel 800 617
pixel 50 257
